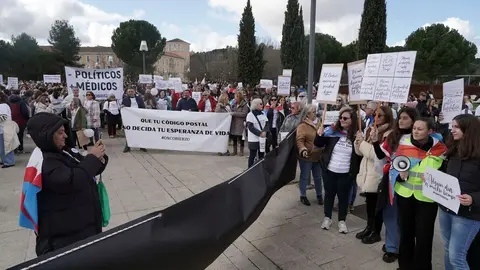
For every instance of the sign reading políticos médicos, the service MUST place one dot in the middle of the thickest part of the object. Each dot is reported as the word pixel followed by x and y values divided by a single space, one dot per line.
pixel 101 82
pixel 177 130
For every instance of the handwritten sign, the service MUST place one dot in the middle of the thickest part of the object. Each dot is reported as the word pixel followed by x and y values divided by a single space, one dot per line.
pixel 442 188
pixel 145 78
pixel 331 117
pixel 12 83
pixel 392 73
pixel 329 83
pixel 54 78
pixel 287 72
pixel 383 88
pixel 283 85
pixel 197 96
pixel 400 90
pixel 266 83
pixel 368 87
pixel 452 99
pixel 372 65
pixel 405 64
pixel 355 75
pixel 177 84
pixel 387 65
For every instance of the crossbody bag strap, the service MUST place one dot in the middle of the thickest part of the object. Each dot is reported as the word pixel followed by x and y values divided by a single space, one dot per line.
pixel 261 128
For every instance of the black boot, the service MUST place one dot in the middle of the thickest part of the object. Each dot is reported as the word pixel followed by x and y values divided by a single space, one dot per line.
pixel 365 232
pixel 371 238
pixel 305 201
pixel 320 200
pixel 126 149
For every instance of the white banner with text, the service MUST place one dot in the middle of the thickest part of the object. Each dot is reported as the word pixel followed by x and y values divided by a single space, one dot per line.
pixel 177 130
pixel 101 82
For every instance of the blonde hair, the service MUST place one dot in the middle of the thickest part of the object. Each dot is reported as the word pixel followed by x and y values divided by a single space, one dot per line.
pixel 223 99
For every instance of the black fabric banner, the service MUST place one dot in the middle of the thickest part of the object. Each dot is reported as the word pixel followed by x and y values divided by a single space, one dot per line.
pixel 188 235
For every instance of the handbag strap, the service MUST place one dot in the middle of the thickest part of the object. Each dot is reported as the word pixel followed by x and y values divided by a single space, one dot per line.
pixel 261 128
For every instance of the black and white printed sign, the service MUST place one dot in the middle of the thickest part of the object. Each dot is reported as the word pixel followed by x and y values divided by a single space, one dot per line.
pixel 101 82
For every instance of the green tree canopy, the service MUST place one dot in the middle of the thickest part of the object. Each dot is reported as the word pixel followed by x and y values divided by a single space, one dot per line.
pixel 372 36
pixel 126 41
pixel 247 49
pixel 64 42
pixel 441 51
pixel 327 50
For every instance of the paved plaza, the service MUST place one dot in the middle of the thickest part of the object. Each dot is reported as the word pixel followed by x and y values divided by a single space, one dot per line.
pixel 287 235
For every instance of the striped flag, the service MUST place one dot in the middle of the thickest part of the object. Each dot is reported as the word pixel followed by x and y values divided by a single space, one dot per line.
pixel 32 184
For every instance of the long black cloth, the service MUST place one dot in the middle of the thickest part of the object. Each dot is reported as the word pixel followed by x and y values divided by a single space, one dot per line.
pixel 188 235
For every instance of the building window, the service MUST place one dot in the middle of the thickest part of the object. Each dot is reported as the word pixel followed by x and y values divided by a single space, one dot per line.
pixel 98 58
pixel 88 58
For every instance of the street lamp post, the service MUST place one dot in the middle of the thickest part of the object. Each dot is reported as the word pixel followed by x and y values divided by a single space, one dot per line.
pixel 143 49
pixel 311 50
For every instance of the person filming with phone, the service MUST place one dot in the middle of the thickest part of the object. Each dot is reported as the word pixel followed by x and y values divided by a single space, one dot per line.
pixel 60 199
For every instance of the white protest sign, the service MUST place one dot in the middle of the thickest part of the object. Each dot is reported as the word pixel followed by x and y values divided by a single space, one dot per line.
pixel 355 75
pixel 329 83
pixel 287 72
pixel 266 83
pixel 442 188
pixel 452 99
pixel 388 76
pixel 184 86
pixel 145 78
pixel 177 130
pixel 197 96
pixel 240 85
pixel 157 77
pixel 331 117
pixel 1 79
pixel 177 84
pixel 12 83
pixel 55 78
pixel 283 86
pixel 101 82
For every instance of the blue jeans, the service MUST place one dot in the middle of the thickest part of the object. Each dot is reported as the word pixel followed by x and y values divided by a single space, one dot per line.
pixel 392 231
pixel 458 234
pixel 353 193
pixel 305 168
pixel 6 158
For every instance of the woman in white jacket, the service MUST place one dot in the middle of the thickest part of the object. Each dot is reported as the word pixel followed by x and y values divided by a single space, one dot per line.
pixel 370 174
pixel 43 104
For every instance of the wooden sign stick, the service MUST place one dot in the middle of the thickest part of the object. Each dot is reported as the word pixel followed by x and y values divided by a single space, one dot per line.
pixel 324 113
pixel 359 118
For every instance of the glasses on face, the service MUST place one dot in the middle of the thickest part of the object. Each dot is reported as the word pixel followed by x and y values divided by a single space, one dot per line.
pixel 89 95
pixel 47 101
pixel 344 118
pixel 273 99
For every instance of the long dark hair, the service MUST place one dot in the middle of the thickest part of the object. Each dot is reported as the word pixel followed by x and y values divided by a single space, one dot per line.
pixel 353 128
pixel 394 137
pixel 469 146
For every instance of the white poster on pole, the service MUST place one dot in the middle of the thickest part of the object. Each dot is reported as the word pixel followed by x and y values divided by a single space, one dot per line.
pixel 442 188
pixel 329 83
pixel 452 99
pixel 197 96
pixel 177 130
pixel 283 86
pixel 264 83
pixel 101 82
pixel 52 78
pixel 12 83
pixel 145 78
pixel 331 117
pixel 355 75
pixel 287 72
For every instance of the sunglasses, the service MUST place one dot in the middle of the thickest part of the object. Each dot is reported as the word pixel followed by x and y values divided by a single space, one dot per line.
pixel 273 99
pixel 339 100
pixel 344 118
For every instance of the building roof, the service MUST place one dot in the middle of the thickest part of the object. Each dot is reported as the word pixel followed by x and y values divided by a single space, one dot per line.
pixel 95 49
pixel 174 55
pixel 178 40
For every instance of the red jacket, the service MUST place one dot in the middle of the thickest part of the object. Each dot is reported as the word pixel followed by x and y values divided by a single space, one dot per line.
pixel 201 104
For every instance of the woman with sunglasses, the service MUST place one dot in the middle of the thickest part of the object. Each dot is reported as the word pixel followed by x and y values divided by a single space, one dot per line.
pixel 340 165
pixel 275 118
pixel 43 104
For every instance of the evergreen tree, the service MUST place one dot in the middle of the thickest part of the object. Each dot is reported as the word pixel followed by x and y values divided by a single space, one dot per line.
pixel 372 37
pixel 288 49
pixel 247 64
pixel 64 41
pixel 259 63
pixel 300 67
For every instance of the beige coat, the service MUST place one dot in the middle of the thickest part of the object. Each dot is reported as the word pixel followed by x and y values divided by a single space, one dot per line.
pixel 370 174
pixel 10 138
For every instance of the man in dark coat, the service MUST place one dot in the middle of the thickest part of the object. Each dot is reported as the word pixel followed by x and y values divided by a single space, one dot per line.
pixel 20 114
pixel 132 101
pixel 68 204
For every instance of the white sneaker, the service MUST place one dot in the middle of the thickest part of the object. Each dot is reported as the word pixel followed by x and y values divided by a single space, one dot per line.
pixel 342 227
pixel 327 222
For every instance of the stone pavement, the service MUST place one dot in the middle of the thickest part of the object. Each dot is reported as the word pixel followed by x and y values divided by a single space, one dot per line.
pixel 287 235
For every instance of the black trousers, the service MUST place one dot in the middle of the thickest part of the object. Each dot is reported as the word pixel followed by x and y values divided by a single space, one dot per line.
pixel 237 140
pixel 417 228
pixel 112 122
pixel 473 256
pixel 273 142
pixel 20 134
pixel 337 184
pixel 374 219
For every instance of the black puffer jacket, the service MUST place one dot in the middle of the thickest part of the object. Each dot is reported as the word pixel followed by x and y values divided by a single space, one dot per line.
pixel 68 204
pixel 467 172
